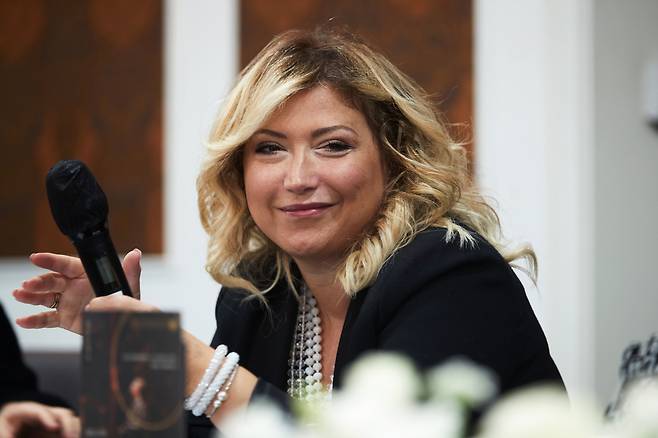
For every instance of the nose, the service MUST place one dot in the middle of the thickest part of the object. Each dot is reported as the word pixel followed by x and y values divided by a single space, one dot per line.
pixel 301 174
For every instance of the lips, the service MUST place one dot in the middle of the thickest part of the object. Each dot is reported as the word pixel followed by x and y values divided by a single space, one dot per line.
pixel 306 210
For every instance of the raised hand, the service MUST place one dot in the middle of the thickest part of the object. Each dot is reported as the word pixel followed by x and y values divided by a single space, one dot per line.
pixel 66 289
pixel 17 418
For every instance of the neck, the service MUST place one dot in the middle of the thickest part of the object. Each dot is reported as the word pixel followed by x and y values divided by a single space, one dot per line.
pixel 331 298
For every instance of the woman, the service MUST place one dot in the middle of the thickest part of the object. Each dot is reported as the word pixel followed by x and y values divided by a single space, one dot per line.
pixel 341 220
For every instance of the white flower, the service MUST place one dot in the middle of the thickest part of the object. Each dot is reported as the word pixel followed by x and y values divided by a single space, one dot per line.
pixel 437 419
pixel 380 400
pixel 384 379
pixel 259 419
pixel 352 417
pixel 349 416
pixel 541 412
pixel 639 414
pixel 463 380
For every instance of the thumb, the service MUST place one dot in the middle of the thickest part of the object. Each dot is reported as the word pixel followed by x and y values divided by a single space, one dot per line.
pixel 133 269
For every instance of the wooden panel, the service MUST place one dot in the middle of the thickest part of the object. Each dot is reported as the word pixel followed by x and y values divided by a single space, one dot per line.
pixel 81 80
pixel 430 40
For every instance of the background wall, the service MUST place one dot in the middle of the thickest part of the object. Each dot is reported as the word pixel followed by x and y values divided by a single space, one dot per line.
pixel 200 65
pixel 532 64
pixel 626 183
pixel 81 80
pixel 564 147
pixel 561 145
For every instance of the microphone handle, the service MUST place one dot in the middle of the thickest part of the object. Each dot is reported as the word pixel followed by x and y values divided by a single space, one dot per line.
pixel 101 263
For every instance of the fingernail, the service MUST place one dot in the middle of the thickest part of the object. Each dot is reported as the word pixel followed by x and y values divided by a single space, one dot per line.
pixel 138 251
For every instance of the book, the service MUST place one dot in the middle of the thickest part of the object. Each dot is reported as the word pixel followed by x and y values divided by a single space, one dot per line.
pixel 133 375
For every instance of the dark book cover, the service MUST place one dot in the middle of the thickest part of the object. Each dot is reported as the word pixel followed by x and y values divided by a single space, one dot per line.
pixel 132 375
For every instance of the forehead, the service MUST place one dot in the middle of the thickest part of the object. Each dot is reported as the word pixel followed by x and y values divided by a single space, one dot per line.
pixel 320 105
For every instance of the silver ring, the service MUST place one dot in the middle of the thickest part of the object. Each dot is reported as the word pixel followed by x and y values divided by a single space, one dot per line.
pixel 56 298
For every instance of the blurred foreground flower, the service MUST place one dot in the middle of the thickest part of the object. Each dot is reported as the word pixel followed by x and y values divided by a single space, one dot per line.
pixel 260 419
pixel 460 379
pixel 385 379
pixel 541 412
pixel 381 399
pixel 384 397
pixel 639 411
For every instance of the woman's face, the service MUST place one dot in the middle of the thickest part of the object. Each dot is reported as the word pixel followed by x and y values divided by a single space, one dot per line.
pixel 313 175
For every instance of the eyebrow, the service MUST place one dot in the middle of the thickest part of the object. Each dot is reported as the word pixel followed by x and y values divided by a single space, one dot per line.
pixel 316 133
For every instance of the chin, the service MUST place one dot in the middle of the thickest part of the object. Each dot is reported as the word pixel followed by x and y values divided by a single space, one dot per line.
pixel 300 252
pixel 312 245
pixel 307 252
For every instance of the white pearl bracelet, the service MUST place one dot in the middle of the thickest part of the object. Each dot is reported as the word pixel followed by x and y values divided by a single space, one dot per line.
pixel 211 371
pixel 222 394
pixel 225 371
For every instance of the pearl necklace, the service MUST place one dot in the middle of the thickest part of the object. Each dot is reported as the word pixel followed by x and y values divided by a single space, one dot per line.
pixel 305 373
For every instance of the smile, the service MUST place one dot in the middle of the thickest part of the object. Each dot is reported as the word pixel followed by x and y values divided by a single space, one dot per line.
pixel 306 210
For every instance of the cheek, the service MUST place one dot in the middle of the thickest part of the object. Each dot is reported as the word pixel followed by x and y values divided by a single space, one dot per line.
pixel 256 190
pixel 363 184
pixel 362 200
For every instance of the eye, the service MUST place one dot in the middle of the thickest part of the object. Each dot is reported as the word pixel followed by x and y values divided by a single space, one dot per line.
pixel 336 147
pixel 268 148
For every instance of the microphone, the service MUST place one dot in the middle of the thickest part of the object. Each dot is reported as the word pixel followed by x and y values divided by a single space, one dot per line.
pixel 80 210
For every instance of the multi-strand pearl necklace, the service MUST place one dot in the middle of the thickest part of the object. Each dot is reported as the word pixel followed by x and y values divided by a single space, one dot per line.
pixel 305 373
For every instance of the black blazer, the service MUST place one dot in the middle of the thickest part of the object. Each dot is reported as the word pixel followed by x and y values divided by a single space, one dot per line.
pixel 432 300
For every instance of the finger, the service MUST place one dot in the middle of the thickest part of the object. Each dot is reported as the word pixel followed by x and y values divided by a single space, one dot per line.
pixel 118 302
pixel 71 427
pixel 68 422
pixel 6 429
pixel 133 269
pixel 39 320
pixel 22 413
pixel 35 298
pixel 111 302
pixel 66 265
pixel 46 418
pixel 50 282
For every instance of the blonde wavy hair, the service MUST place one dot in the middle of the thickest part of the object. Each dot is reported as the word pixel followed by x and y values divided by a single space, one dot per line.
pixel 429 182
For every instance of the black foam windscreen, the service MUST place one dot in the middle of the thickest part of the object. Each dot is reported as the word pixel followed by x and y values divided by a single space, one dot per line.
pixel 76 200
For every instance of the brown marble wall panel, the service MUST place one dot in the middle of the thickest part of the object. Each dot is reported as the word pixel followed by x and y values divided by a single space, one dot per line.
pixel 81 79
pixel 430 40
